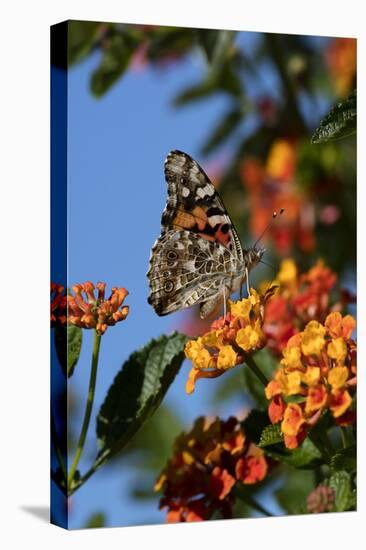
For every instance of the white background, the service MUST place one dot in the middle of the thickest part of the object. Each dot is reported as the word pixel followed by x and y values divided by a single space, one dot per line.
pixel 24 271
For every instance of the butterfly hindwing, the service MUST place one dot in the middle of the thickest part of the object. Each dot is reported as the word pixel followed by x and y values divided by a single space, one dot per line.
pixel 184 270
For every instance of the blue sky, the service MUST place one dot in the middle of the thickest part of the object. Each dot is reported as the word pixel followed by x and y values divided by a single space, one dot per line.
pixel 116 193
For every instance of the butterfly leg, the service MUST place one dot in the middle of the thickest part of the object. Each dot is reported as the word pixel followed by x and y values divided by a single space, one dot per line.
pixel 247 279
pixel 224 295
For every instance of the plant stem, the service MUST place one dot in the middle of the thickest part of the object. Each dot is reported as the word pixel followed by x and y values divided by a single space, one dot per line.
pixel 57 446
pixel 250 501
pixel 256 370
pixel 344 437
pixel 88 408
pixel 97 464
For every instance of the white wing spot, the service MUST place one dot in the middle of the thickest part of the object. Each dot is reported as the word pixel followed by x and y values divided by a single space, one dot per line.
pixel 185 192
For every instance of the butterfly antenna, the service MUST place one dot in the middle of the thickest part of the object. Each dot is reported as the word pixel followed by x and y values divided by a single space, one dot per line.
pixel 274 216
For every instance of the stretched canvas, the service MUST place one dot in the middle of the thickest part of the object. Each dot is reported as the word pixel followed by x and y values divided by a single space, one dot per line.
pixel 203 277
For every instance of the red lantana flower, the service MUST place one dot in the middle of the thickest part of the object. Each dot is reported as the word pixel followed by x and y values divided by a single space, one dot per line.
pixel 301 298
pixel 207 463
pixel 58 305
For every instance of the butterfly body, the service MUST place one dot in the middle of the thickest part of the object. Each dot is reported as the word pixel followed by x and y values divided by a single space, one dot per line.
pixel 198 258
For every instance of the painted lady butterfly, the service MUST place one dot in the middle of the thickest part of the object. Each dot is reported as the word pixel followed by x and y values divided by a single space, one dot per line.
pixel 198 258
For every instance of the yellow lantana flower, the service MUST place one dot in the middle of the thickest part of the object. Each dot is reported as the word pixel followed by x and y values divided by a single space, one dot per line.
pixel 337 349
pixel 202 360
pixel 241 308
pixel 288 273
pixel 337 377
pixel 311 376
pixel 226 358
pixel 291 358
pixel 250 337
pixel 313 340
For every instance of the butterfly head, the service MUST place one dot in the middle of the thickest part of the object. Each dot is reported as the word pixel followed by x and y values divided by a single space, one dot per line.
pixel 254 255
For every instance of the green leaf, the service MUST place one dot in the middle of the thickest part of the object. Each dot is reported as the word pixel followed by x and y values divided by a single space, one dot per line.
pixel 198 91
pixel 345 459
pixel 169 42
pixel 68 341
pixel 270 435
pixel 340 482
pixel 223 79
pixel 294 490
pixel 339 122
pixel 223 130
pixel 81 36
pixel 307 455
pixel 138 390
pixel 254 424
pixel 95 520
pixel 207 39
pixel 116 57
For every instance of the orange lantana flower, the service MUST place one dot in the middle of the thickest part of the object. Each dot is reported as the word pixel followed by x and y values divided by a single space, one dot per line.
pixel 318 369
pixel 87 311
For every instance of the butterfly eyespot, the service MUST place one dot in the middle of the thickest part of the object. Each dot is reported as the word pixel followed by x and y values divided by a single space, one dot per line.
pixel 171 255
pixel 168 286
pixel 166 274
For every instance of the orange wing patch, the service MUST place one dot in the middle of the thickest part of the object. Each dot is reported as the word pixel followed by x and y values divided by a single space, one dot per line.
pixel 188 220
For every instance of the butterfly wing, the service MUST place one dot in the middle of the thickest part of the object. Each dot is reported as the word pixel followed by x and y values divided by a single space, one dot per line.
pixel 198 248
pixel 194 204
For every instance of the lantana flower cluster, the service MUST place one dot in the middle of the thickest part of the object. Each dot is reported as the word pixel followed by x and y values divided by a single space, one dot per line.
pixel 207 462
pixel 300 299
pixel 270 186
pixel 317 373
pixel 229 340
pixel 89 311
pixel 58 305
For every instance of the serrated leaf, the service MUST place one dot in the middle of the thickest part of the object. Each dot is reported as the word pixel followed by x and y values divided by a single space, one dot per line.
pixel 339 122
pixel 270 435
pixel 223 130
pixel 345 459
pixel 138 390
pixel 340 482
pixel 68 342
pixel 116 57
pixel 307 455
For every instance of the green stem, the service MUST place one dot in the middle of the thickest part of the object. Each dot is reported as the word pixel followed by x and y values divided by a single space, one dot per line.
pixel 276 51
pixel 344 437
pixel 57 446
pixel 88 408
pixel 243 495
pixel 97 464
pixel 256 370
